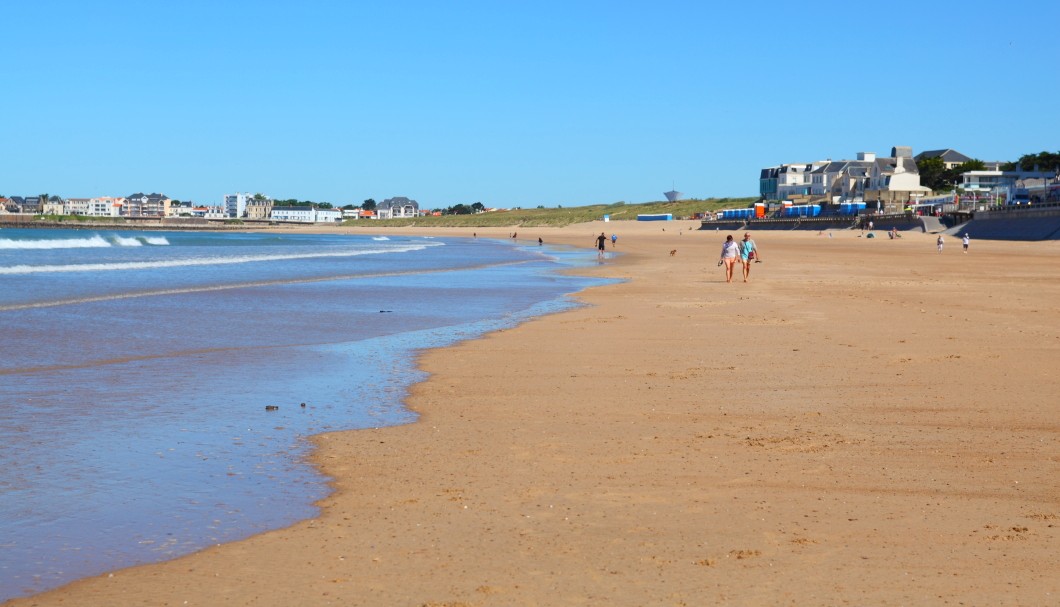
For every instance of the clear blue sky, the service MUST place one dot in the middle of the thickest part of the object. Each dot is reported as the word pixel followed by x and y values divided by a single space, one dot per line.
pixel 511 104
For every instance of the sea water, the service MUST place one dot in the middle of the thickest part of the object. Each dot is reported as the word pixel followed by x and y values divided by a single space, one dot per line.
pixel 136 368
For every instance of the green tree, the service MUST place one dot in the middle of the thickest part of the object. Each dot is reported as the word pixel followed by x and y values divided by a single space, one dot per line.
pixel 932 171
pixel 348 207
pixel 369 205
pixel 478 207
pixel 1047 162
pixel 1043 161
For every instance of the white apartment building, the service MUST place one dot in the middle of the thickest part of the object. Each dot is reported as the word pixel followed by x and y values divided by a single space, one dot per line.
pixel 329 215
pixel 105 206
pixel 306 214
pixel 236 204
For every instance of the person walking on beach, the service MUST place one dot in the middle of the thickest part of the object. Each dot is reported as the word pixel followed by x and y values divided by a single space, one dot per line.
pixel 939 242
pixel 614 240
pixel 729 251
pixel 964 242
pixel 748 253
pixel 601 245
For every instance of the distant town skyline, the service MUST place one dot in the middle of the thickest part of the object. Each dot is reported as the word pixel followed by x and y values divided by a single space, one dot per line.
pixel 512 106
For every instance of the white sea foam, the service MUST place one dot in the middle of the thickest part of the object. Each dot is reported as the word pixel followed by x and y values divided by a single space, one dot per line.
pixel 94 242
pixel 380 238
pixel 201 261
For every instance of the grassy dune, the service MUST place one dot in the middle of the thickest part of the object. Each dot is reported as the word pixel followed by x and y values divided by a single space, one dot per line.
pixel 564 216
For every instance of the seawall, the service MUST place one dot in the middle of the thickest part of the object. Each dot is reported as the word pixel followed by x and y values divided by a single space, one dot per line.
pixel 1028 224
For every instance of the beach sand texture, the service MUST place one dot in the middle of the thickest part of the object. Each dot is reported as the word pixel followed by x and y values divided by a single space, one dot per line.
pixel 866 422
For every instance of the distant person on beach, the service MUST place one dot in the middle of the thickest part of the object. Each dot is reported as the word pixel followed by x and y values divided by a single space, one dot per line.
pixel 939 242
pixel 748 253
pixel 614 240
pixel 729 251
pixel 601 245
pixel 964 242
pixel 540 242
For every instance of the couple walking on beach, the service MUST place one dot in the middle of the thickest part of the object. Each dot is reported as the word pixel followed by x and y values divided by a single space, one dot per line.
pixel 745 250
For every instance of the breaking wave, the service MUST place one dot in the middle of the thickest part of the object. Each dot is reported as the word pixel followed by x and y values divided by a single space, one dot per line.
pixel 201 261
pixel 92 242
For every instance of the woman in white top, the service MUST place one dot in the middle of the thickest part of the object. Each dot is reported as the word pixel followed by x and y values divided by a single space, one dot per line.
pixel 729 252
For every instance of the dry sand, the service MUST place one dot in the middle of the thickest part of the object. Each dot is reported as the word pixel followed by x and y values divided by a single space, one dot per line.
pixel 865 423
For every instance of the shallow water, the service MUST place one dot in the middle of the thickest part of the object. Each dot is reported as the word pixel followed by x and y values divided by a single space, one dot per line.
pixel 135 369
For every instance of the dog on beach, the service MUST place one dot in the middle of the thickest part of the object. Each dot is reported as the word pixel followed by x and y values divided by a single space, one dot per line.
pixel 673 252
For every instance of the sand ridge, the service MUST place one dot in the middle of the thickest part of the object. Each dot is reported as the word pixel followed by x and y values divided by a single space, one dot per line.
pixel 865 422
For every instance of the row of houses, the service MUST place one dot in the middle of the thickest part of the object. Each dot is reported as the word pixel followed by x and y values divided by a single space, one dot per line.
pixel 890 183
pixel 134 205
pixel 234 206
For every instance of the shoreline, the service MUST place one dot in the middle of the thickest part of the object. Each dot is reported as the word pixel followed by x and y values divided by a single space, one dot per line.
pixel 662 446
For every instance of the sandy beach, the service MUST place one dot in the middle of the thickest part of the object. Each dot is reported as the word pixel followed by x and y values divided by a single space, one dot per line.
pixel 865 422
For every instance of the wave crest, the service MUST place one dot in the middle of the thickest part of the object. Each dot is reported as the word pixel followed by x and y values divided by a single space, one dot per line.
pixel 92 242
pixel 201 261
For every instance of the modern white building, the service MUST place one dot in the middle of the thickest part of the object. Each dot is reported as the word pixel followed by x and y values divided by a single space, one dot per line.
pixel 236 204
pixel 989 180
pixel 105 206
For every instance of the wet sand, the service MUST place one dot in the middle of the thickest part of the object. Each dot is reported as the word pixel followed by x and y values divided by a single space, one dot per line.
pixel 866 422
